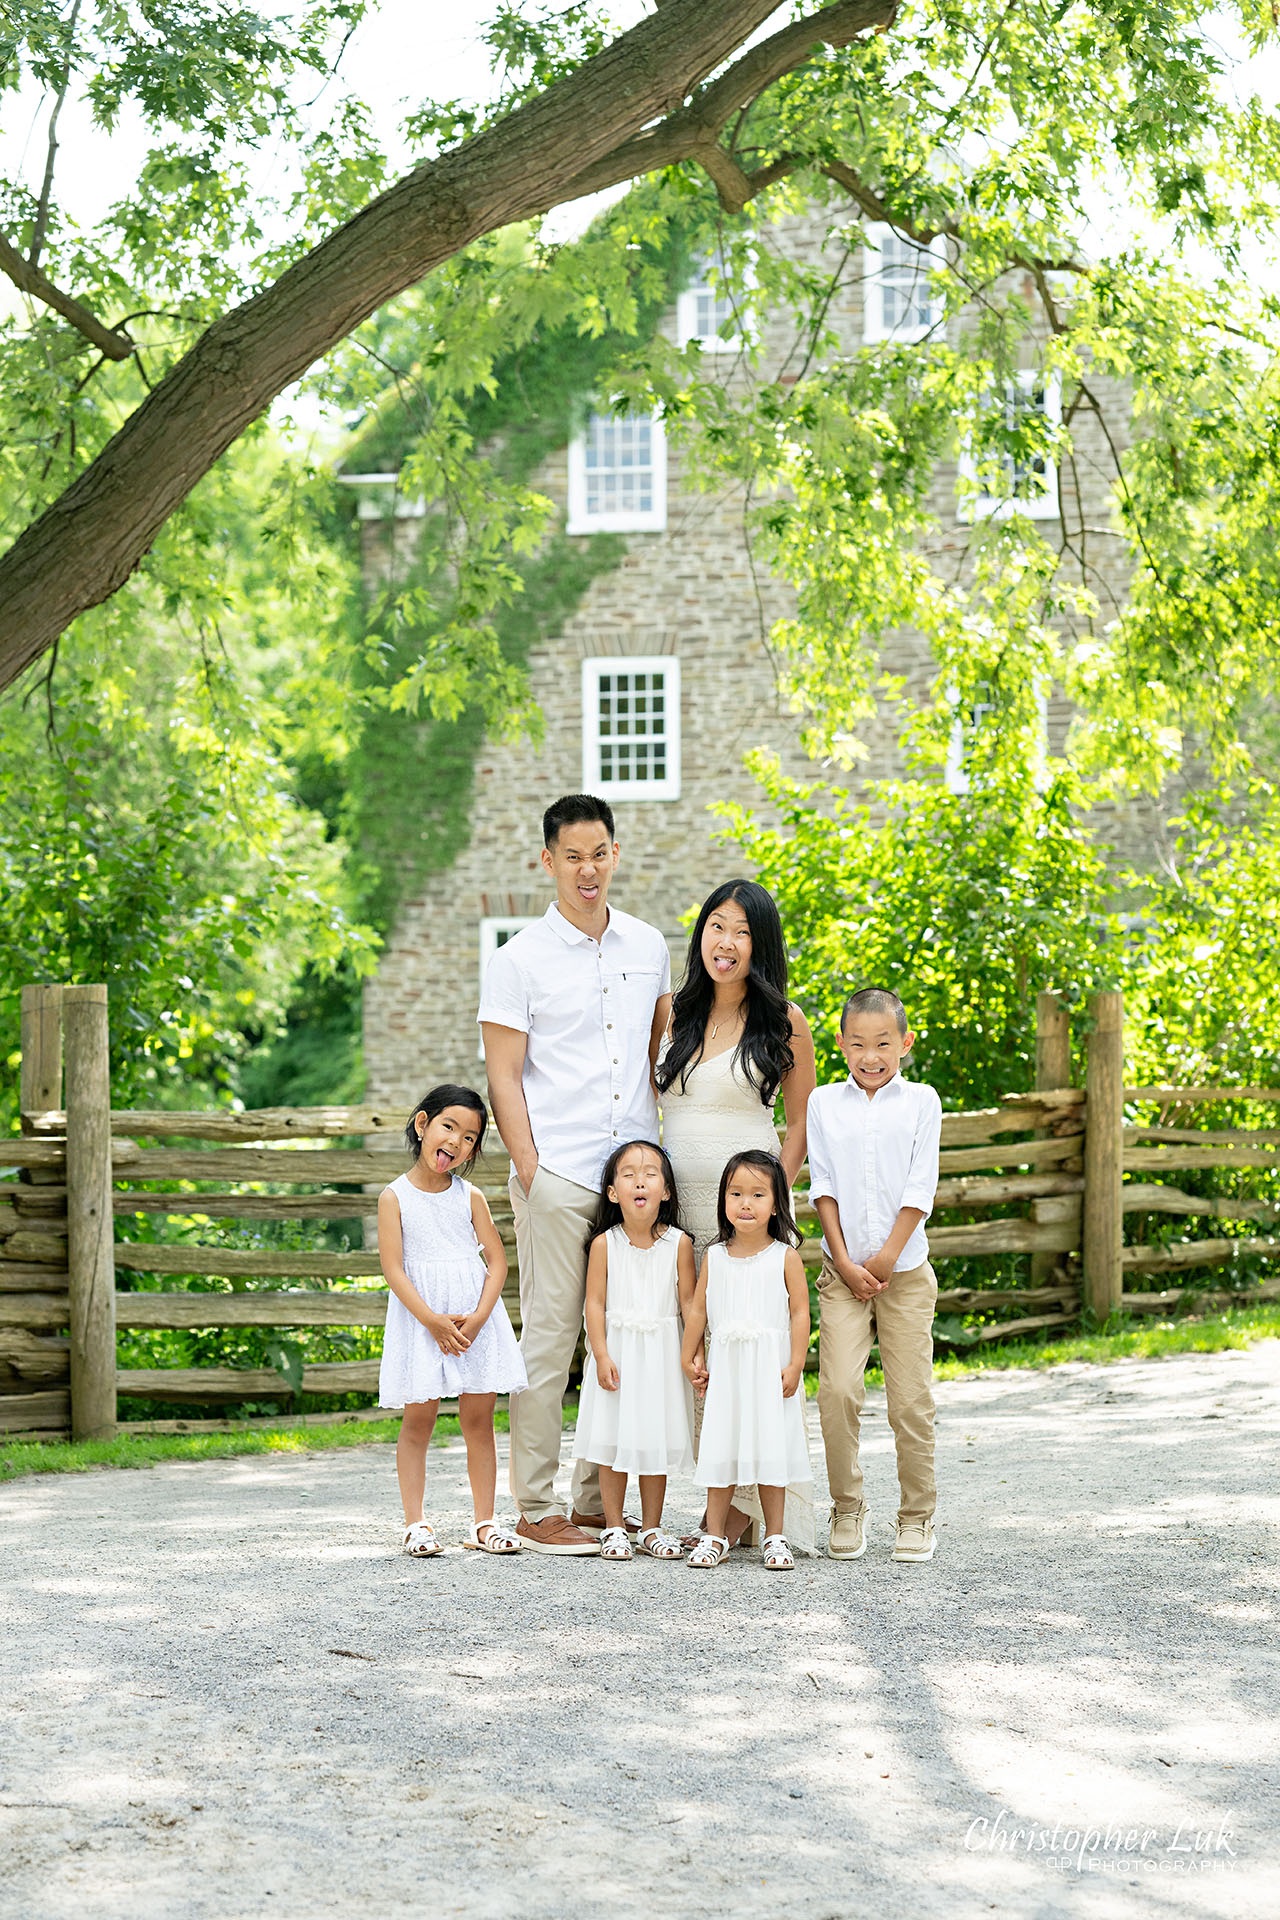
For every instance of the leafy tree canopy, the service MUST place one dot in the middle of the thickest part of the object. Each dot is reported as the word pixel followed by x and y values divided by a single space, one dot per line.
pixel 1086 188
pixel 998 133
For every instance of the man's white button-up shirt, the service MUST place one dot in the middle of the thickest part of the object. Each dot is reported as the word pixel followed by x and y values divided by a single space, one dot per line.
pixel 874 1154
pixel 587 1007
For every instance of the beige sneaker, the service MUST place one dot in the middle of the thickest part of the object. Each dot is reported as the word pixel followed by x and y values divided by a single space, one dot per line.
pixel 915 1541
pixel 848 1537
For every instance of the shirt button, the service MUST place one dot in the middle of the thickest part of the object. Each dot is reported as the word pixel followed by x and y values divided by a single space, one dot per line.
pixel 617 1096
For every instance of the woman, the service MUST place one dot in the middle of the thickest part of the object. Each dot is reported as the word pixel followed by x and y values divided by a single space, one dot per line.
pixel 735 1043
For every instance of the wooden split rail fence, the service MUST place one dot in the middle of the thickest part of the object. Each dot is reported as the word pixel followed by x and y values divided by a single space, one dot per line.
pixel 1061 1150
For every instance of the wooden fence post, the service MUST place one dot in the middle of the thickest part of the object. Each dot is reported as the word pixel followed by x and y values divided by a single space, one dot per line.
pixel 1104 1155
pixel 90 1253
pixel 1053 1069
pixel 41 1042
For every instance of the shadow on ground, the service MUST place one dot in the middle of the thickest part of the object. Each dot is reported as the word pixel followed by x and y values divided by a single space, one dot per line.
pixel 231 1697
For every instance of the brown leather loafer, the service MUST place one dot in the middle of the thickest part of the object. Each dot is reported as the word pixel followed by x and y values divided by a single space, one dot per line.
pixel 555 1534
pixel 595 1521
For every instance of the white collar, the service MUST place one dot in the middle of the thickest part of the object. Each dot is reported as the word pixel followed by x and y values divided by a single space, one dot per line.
pixel 880 1092
pixel 574 936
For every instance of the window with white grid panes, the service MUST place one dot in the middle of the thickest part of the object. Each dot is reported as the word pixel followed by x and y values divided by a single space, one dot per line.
pixel 706 313
pixel 618 475
pixel 898 300
pixel 495 931
pixel 1007 482
pixel 631 727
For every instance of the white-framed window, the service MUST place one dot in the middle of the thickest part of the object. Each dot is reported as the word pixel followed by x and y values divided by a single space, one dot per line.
pixel 1003 483
pixel 898 299
pixel 495 931
pixel 631 727
pixel 380 497
pixel 618 474
pixel 706 312
pixel 969 723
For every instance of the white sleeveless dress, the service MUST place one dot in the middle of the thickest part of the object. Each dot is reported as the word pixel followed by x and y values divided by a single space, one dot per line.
pixel 749 1431
pixel 717 1114
pixel 645 1426
pixel 442 1259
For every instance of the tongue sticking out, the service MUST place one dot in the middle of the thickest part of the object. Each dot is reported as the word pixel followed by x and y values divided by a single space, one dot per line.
pixel 444 1160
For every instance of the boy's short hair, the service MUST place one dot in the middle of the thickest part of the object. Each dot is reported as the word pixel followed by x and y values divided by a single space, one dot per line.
pixel 875 1000
pixel 571 810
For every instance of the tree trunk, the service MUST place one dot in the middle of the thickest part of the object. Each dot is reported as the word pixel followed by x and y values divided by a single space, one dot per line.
pixel 86 545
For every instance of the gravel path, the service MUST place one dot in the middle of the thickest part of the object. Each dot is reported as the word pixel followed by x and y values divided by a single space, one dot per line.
pixel 1092 1649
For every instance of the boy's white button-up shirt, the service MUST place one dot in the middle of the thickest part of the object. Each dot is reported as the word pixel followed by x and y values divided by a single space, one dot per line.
pixel 874 1154
pixel 587 1008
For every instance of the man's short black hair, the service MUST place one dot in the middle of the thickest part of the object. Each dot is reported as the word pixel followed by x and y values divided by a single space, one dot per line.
pixel 875 1000
pixel 572 808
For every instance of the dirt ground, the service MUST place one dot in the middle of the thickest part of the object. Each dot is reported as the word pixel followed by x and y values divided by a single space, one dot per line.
pixel 229 1696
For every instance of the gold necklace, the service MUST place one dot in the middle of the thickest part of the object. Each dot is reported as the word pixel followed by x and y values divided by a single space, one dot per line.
pixel 737 1015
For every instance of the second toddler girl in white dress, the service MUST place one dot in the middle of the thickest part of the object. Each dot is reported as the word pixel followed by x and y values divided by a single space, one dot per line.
pixel 635 1412
pixel 746 1335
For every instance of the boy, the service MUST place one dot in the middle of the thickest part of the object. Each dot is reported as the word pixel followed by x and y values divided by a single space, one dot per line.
pixel 873 1163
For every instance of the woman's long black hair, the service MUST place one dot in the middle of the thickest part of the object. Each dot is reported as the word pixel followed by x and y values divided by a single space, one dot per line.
pixel 609 1213
pixel 764 1051
pixel 782 1222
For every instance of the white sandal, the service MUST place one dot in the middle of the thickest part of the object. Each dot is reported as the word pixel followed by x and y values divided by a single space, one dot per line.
pixel 710 1551
pixel 614 1544
pixel 778 1557
pixel 662 1546
pixel 420 1541
pixel 488 1537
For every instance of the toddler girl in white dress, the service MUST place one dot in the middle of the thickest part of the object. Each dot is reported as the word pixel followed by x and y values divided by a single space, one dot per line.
pixel 635 1411
pixel 447 1330
pixel 746 1335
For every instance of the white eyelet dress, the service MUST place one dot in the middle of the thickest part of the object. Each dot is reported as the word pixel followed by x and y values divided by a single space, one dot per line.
pixel 750 1433
pixel 645 1426
pixel 445 1264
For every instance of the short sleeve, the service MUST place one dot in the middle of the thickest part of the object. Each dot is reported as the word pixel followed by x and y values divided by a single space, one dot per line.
pixel 922 1176
pixel 504 998
pixel 821 1172
pixel 664 976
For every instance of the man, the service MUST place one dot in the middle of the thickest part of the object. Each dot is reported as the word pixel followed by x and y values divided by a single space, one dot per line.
pixel 572 1011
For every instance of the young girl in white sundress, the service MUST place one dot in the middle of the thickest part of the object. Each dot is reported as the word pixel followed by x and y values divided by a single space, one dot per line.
pixel 635 1410
pixel 745 1338
pixel 447 1330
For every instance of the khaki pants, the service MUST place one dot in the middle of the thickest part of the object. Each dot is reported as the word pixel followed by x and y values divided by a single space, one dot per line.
pixel 901 1318
pixel 551 1232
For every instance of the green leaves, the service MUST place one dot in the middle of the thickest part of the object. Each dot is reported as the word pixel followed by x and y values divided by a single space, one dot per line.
pixel 155 839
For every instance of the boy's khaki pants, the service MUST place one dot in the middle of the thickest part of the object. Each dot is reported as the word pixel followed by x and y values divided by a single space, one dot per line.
pixel 551 1246
pixel 901 1318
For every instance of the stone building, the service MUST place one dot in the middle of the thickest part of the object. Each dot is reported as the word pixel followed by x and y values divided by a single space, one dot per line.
pixel 658 683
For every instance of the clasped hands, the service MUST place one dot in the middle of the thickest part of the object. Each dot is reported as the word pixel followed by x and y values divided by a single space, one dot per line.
pixel 454 1332
pixel 696 1371
pixel 865 1278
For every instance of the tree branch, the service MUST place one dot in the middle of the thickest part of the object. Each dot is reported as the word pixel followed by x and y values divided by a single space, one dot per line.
pixel 879 210
pixel 86 545
pixel 702 121
pixel 41 223
pixel 733 184
pixel 116 346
